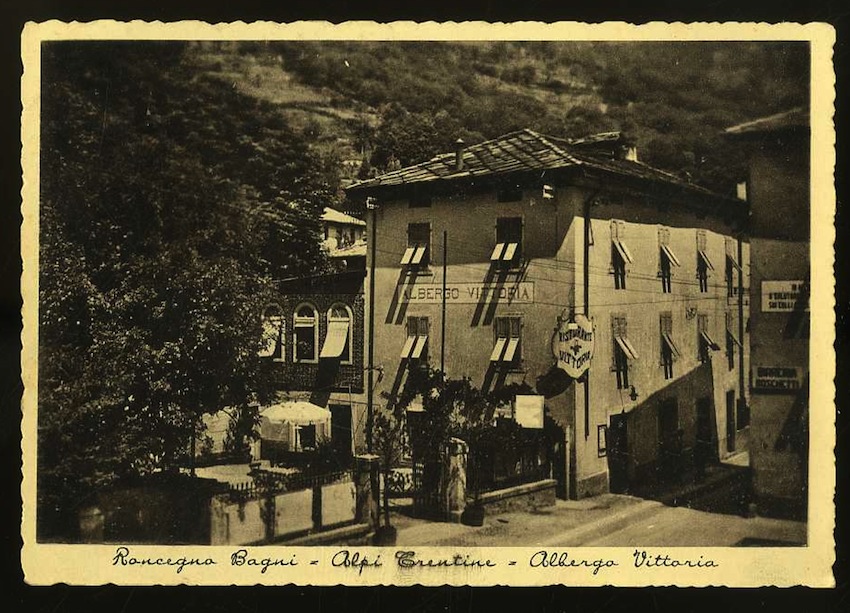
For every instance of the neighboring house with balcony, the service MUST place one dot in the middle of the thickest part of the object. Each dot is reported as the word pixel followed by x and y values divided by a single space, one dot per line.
pixel 344 238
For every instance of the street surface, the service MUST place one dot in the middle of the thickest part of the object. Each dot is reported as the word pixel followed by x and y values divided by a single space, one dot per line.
pixel 608 520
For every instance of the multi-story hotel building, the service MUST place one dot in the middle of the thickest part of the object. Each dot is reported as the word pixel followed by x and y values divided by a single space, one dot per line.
pixel 483 255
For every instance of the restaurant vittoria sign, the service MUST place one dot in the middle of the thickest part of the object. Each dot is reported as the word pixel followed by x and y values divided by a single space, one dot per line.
pixel 572 344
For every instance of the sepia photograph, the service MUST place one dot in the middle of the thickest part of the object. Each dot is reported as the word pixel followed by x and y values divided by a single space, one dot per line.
pixel 453 294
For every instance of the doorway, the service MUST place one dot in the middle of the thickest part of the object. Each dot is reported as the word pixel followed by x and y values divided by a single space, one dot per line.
pixel 669 440
pixel 730 421
pixel 341 438
pixel 705 450
pixel 618 453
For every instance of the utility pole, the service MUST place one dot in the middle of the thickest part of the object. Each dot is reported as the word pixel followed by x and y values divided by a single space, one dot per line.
pixel 586 282
pixel 742 400
pixel 443 321
pixel 370 393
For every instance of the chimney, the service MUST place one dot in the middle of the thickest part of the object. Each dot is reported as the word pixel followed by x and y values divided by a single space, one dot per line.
pixel 459 149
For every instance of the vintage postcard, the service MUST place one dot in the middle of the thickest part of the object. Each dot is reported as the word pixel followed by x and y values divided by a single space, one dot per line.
pixel 470 304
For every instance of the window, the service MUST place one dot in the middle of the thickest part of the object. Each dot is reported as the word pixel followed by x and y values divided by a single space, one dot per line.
pixel 704 341
pixel 416 345
pixel 418 252
pixel 620 254
pixel 623 350
pixel 510 193
pixel 667 260
pixel 703 262
pixel 306 437
pixel 508 250
pixel 306 331
pixel 669 351
pixel 272 343
pixel 731 341
pixel 507 349
pixel 731 266
pixel 338 339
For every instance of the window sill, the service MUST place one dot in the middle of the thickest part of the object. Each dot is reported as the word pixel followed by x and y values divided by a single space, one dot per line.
pixel 419 272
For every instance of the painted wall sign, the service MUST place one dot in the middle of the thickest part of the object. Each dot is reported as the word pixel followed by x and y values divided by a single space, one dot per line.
pixel 572 345
pixel 467 293
pixel 781 296
pixel 777 379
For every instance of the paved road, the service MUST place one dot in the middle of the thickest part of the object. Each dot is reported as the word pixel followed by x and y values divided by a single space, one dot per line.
pixel 607 521
pixel 679 527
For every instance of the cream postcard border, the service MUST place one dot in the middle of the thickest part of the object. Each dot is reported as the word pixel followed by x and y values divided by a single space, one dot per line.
pixel 743 567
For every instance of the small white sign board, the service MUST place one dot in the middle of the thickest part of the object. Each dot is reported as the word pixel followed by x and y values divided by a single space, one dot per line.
pixel 781 296
pixel 528 411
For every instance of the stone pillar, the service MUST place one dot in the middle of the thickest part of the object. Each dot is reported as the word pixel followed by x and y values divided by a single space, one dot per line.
pixel 453 483
pixel 367 488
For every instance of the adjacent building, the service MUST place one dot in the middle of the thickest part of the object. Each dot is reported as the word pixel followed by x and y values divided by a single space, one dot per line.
pixel 314 348
pixel 778 192
pixel 506 261
pixel 344 238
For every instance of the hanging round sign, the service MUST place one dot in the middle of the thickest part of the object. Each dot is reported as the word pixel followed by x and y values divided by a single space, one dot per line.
pixel 572 345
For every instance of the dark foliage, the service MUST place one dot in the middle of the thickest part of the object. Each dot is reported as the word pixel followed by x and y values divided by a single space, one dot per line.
pixel 168 201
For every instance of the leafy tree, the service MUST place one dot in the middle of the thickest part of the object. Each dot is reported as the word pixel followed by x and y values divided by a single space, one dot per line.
pixel 161 191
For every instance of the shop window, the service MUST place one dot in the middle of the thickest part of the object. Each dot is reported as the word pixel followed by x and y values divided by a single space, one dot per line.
pixel 508 343
pixel 273 334
pixel 624 351
pixel 338 339
pixel 306 332
pixel 418 252
pixel 508 250
pixel 620 254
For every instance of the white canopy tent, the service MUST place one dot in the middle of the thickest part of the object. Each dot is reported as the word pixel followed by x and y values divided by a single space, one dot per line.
pixel 281 423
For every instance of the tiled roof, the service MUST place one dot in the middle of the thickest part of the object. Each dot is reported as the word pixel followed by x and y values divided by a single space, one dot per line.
pixel 517 151
pixel 523 151
pixel 333 216
pixel 795 118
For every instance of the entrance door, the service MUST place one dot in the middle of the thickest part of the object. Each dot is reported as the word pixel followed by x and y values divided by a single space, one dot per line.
pixel 341 429
pixel 730 421
pixel 705 451
pixel 669 439
pixel 618 454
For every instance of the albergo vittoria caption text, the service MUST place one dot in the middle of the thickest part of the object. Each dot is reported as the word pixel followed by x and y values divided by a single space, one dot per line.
pixel 409 559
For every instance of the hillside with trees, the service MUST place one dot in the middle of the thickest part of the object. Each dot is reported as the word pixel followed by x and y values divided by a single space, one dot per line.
pixel 410 100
